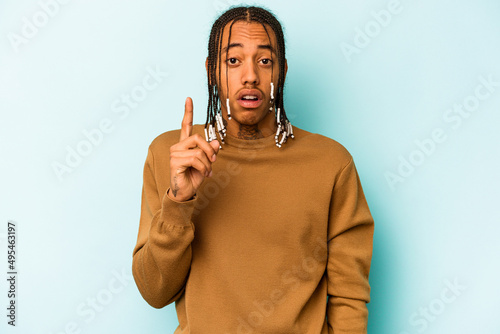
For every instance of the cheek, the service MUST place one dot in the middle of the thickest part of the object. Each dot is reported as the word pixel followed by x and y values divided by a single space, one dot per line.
pixel 232 80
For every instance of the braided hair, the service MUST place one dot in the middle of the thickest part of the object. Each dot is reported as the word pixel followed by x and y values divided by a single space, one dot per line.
pixel 248 14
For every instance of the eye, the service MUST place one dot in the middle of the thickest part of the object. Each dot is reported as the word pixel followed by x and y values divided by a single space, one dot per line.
pixel 266 61
pixel 232 61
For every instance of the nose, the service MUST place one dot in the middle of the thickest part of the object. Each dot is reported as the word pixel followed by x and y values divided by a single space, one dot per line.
pixel 250 74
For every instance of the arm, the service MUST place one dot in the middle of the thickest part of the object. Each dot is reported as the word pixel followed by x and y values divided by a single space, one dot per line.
pixel 162 255
pixel 350 243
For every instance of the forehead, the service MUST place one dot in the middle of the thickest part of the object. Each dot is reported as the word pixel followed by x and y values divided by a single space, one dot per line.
pixel 249 32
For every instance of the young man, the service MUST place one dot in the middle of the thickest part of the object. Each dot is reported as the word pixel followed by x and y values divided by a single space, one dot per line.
pixel 265 229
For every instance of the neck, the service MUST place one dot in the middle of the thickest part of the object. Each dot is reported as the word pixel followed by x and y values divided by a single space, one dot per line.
pixel 249 132
pixel 264 128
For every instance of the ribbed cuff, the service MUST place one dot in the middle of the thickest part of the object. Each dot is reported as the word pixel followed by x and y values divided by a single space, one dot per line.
pixel 177 212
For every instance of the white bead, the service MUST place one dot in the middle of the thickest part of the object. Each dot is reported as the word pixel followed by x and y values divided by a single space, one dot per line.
pixel 221 122
pixel 228 109
pixel 214 136
pixel 283 138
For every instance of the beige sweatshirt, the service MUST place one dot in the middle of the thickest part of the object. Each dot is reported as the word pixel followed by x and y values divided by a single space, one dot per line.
pixel 263 242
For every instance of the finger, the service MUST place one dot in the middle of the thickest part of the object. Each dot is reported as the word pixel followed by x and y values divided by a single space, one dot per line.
pixel 215 145
pixel 191 161
pixel 187 120
pixel 195 141
pixel 179 157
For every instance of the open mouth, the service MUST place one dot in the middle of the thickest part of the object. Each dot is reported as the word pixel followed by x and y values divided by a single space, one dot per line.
pixel 250 99
pixel 249 102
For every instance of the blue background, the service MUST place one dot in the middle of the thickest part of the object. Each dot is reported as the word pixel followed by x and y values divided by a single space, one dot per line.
pixel 434 203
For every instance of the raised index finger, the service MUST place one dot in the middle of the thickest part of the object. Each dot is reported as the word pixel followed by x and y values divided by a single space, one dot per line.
pixel 187 120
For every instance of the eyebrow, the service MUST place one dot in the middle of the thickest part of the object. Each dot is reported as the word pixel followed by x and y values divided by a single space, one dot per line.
pixel 234 45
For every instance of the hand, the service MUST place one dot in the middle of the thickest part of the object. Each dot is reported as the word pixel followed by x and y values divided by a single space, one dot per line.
pixel 190 159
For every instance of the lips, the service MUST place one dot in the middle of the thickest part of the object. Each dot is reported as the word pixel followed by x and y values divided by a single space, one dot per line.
pixel 250 92
pixel 250 98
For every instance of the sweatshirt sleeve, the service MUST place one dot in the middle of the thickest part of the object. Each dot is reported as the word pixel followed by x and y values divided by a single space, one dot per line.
pixel 350 243
pixel 162 255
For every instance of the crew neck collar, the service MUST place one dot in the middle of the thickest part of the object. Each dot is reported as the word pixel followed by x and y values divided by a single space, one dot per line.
pixel 250 144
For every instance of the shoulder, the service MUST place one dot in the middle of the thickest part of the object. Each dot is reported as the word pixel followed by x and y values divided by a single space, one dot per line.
pixel 322 146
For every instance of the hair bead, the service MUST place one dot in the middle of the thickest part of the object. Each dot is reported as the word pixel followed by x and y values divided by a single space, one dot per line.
pixel 206 135
pixel 228 109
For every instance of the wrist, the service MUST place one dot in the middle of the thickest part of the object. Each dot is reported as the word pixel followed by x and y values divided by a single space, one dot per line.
pixel 179 197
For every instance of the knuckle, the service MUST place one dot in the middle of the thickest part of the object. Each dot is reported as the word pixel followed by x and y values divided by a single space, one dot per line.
pixel 199 154
pixel 173 149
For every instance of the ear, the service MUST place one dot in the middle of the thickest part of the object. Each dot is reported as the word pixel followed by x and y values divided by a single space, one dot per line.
pixel 206 66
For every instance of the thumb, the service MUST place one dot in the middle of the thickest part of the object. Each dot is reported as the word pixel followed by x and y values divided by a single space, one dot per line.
pixel 215 145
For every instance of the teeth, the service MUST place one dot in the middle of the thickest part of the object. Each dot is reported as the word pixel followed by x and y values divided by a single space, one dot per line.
pixel 249 97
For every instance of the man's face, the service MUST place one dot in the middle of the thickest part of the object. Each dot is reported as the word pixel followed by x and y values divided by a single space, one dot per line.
pixel 249 70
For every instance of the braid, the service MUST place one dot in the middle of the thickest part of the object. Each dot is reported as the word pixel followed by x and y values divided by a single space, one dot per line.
pixel 249 14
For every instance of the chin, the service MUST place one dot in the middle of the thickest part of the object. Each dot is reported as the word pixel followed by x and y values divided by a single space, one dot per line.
pixel 249 117
pixel 247 122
